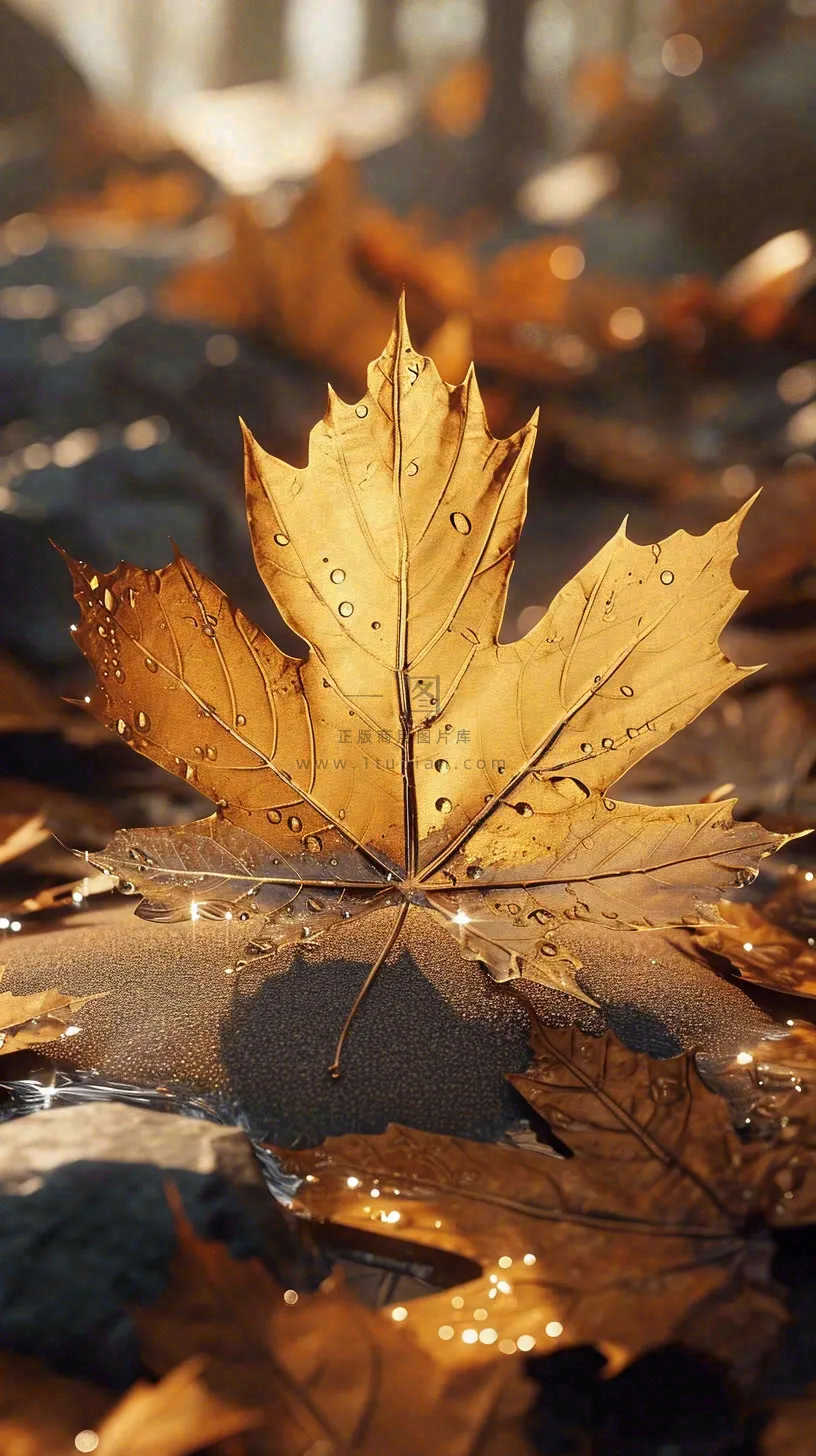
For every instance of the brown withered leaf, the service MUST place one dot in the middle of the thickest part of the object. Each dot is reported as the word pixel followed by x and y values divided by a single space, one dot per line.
pixel 18 834
pixel 42 1413
pixel 410 758
pixel 789 1428
pixel 68 896
pixel 323 1371
pixel 260 284
pixel 761 745
pixel 38 1017
pixel 175 1417
pixel 640 1238
pixel 762 951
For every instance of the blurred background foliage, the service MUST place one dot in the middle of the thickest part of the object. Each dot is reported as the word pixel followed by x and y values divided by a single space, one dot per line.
pixel 209 207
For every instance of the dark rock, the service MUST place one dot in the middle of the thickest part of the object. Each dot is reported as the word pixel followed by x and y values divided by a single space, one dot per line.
pixel 83 1242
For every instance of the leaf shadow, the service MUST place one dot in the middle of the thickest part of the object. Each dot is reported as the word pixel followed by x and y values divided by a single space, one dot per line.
pixel 411 1056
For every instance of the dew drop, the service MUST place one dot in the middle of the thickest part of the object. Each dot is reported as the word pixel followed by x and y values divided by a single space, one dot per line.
pixel 525 810
pixel 667 577
pixel 198 751
pixel 143 721
pixel 294 823
pixel 212 753
pixel 314 905
pixel 628 692
pixel 102 630
pixel 337 576
pixel 413 469
pixel 607 743
pixel 632 732
pixel 512 909
pixel 361 411
pixel 541 916
pixel 274 816
pixel 240 720
pixel 119 675
pixel 122 728
pixel 460 523
pixel 609 804
pixel 209 631
pixel 375 626
pixel 547 949
pixel 312 843
pixel 109 599
pixel 442 766
pixel 444 806
pixel 345 609
pixel 280 539
pixel 586 747
pixel 151 664
pixel 341 813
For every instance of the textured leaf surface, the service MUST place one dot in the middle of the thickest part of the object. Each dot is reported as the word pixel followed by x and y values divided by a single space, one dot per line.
pixel 322 1368
pixel 411 756
pixel 761 950
pixel 639 1238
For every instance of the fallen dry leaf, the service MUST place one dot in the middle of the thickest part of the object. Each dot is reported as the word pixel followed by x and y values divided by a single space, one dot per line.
pixel 39 1017
pixel 410 759
pixel 27 707
pixel 175 1417
pixel 762 951
pixel 260 284
pixel 18 834
pixel 789 1429
pixel 650 1233
pixel 43 1413
pixel 760 745
pixel 70 895
pixel 325 1372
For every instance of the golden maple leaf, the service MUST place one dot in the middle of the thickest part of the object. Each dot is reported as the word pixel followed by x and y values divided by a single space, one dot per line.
pixel 411 758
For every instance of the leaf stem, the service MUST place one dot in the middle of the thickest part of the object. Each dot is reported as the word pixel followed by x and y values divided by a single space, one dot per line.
pixel 334 1069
